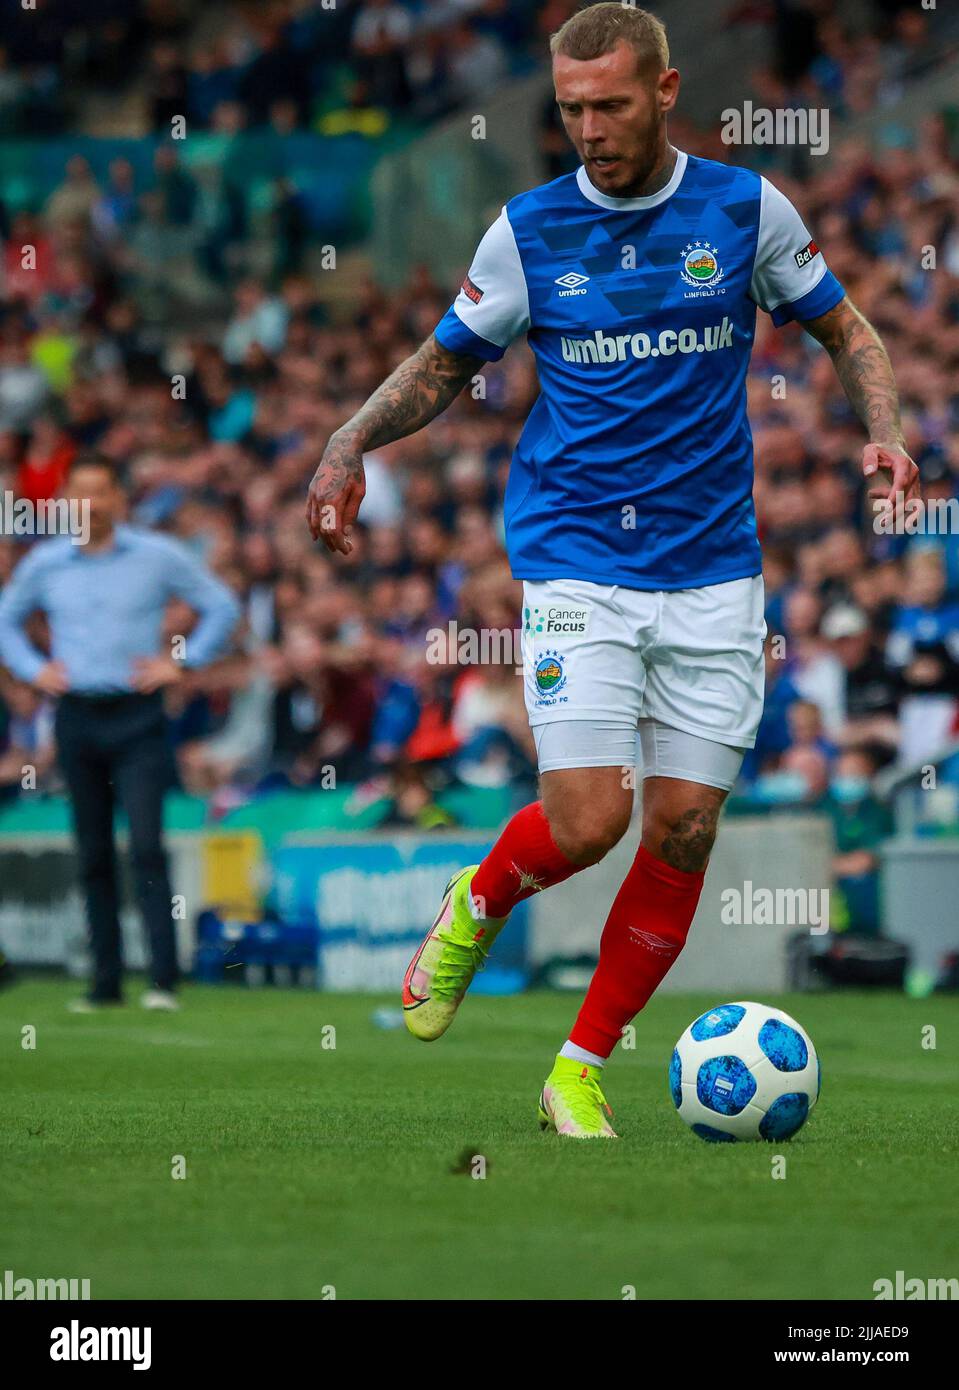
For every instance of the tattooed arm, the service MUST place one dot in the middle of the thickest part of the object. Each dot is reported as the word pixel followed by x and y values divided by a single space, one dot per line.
pixel 420 389
pixel 865 372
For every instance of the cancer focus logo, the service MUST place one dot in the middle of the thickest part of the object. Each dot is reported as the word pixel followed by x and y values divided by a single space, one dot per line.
pixel 700 266
pixel 550 676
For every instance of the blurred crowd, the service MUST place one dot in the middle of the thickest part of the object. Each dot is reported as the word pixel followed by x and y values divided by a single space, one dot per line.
pixel 292 63
pixel 847 57
pixel 332 673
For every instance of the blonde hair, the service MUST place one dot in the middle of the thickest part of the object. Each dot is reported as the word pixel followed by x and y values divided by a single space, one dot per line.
pixel 598 29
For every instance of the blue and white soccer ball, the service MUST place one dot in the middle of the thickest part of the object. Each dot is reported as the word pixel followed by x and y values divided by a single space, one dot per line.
pixel 744 1071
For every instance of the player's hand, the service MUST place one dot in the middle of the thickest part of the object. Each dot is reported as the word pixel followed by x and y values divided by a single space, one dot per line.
pixel 894 472
pixel 337 489
pixel 52 679
pixel 153 673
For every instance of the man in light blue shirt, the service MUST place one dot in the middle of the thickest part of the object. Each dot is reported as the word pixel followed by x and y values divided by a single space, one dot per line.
pixel 104 602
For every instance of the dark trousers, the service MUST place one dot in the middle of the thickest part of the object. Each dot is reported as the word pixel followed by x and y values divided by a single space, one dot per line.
pixel 113 751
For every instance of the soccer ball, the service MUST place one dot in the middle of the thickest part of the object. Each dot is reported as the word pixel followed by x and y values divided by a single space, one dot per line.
pixel 744 1071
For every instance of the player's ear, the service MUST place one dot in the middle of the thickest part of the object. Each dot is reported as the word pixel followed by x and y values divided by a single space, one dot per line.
pixel 667 89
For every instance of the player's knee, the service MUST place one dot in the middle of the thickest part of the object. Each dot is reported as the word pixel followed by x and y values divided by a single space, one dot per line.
pixel 683 839
pixel 586 837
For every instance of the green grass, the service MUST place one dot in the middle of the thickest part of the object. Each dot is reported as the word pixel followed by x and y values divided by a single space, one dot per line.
pixel 309 1167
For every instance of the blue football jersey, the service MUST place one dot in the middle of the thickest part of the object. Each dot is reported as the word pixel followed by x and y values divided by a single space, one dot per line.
pixel 635 464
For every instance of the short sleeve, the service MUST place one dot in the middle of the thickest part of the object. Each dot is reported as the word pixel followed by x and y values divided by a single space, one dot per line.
pixel 790 277
pixel 492 307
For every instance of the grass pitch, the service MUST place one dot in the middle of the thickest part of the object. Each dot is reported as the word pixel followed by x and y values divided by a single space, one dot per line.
pixel 310 1166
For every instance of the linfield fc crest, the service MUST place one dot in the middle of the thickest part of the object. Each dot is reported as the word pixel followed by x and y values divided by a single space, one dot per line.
pixel 549 673
pixel 701 267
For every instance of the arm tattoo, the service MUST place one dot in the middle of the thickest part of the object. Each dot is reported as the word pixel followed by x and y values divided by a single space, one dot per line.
pixel 420 389
pixel 863 369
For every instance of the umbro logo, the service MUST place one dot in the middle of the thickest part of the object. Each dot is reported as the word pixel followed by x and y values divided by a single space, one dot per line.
pixel 570 283
pixel 656 944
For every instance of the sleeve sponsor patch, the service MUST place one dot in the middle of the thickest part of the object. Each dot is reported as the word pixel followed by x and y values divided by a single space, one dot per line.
pixel 804 256
pixel 472 291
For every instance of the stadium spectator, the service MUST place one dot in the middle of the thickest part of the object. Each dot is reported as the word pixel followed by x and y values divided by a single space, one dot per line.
pixel 809 767
pixel 27 748
pixel 24 390
pixel 412 803
pixel 806 730
pixel 115 210
pixel 236 756
pixel 27 273
pixel 75 199
pixel 46 461
pixel 258 319
pixel 476 62
pixel 923 649
pixel 324 710
pixel 860 824
pixel 381 34
pixel 212 78
pixel 166 87
pixel 176 189
pixel 870 695
pixel 815 672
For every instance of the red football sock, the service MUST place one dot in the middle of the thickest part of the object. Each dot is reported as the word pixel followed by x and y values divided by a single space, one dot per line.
pixel 644 933
pixel 524 860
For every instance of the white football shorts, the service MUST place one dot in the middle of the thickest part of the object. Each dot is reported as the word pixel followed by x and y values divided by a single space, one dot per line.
pixel 603 655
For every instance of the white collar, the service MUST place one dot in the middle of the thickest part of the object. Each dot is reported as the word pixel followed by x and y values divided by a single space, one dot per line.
pixel 589 191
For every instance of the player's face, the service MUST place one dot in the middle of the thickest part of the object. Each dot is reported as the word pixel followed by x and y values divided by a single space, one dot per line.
pixel 615 115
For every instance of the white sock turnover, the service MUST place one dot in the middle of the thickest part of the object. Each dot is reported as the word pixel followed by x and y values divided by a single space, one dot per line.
pixel 579 1054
